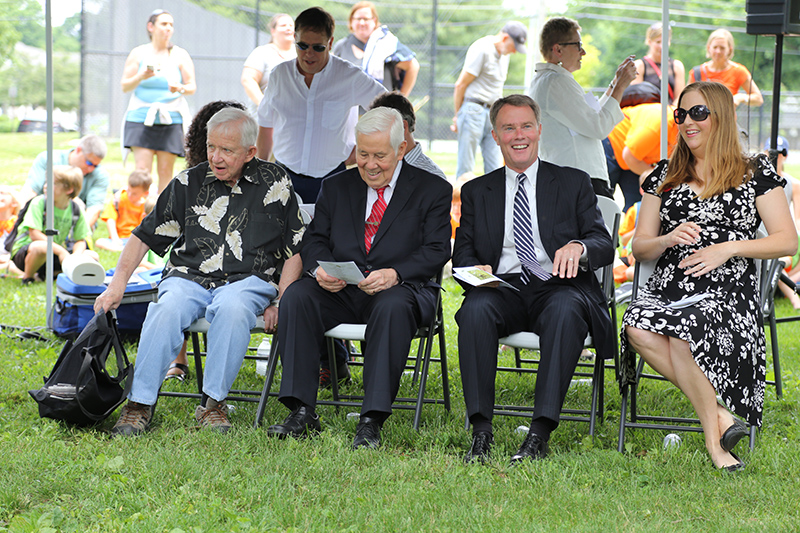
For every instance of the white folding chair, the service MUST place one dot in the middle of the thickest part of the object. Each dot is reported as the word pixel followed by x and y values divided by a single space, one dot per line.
pixel 526 340
pixel 768 272
pixel 421 364
pixel 200 328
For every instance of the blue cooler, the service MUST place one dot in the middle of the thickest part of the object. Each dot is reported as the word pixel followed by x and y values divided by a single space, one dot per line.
pixel 74 305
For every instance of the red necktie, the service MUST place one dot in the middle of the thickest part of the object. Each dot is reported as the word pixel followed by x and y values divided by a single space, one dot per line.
pixel 374 219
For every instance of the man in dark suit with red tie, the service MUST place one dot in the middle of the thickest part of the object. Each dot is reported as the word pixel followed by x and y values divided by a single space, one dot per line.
pixel 393 221
pixel 537 226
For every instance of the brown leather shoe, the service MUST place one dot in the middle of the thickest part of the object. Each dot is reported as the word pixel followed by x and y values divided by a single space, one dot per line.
pixel 213 416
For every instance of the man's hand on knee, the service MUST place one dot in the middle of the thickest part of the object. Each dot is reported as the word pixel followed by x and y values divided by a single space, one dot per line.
pixel 379 280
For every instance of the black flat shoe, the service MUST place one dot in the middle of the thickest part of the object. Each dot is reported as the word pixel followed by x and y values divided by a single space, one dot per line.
pixel 734 468
pixel 481 446
pixel 368 433
pixel 733 435
pixel 533 447
pixel 301 422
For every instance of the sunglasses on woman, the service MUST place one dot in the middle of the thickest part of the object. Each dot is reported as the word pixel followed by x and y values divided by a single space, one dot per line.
pixel 698 113
pixel 316 47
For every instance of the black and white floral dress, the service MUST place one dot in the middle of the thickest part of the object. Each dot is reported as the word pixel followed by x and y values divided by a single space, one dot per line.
pixel 724 328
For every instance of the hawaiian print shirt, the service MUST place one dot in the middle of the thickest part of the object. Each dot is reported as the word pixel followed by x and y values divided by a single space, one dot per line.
pixel 222 234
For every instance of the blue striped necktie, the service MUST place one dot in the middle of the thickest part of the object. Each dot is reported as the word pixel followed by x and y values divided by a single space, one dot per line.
pixel 523 235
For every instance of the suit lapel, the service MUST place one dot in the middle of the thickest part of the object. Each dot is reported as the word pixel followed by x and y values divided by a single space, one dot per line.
pixel 358 193
pixel 495 210
pixel 546 205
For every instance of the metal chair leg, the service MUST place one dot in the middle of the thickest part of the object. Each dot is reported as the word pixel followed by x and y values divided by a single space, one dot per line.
pixel 271 367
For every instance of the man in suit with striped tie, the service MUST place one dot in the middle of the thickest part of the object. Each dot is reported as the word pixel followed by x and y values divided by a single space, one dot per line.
pixel 392 219
pixel 537 226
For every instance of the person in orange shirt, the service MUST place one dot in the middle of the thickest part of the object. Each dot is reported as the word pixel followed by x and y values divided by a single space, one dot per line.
pixel 634 147
pixel 734 76
pixel 125 211
pixel 9 208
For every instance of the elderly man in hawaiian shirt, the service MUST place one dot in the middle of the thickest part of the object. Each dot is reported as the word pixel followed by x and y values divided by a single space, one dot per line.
pixel 235 230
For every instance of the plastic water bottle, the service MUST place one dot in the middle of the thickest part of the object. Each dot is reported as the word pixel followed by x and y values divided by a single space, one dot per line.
pixel 354 416
pixel 263 352
pixel 672 441
pixel 522 430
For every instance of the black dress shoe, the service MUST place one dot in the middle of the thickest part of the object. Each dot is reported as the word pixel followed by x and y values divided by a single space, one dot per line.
pixel 368 433
pixel 481 445
pixel 734 468
pixel 733 435
pixel 533 447
pixel 301 422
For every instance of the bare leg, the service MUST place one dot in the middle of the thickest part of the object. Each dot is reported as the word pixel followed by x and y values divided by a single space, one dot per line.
pixel 181 359
pixel 143 158
pixel 37 255
pixel 790 294
pixel 165 163
pixel 672 358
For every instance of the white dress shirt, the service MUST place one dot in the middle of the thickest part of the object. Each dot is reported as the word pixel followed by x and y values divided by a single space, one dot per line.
pixel 509 261
pixel 572 130
pixel 310 134
pixel 372 194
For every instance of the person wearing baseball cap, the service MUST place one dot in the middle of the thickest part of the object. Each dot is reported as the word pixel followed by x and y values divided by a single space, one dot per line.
pixel 478 86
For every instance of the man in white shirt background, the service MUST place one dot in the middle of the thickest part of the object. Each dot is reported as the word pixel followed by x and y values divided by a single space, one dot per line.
pixel 304 113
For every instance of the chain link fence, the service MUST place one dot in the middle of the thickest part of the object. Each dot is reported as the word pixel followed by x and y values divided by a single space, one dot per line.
pixel 220 34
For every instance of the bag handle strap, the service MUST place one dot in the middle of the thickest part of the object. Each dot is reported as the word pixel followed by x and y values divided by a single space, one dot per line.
pixel 123 371
pixel 658 73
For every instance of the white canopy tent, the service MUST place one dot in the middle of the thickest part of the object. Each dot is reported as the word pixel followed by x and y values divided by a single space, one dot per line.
pixel 49 181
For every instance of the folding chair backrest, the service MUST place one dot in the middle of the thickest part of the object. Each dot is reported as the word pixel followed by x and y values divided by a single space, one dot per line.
pixel 611 217
pixel 642 271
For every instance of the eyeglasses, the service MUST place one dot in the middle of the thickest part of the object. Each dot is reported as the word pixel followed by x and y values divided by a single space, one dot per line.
pixel 362 19
pixel 316 47
pixel 91 164
pixel 579 44
pixel 697 113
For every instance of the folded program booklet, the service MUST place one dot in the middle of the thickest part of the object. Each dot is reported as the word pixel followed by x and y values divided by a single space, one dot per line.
pixel 344 270
pixel 479 278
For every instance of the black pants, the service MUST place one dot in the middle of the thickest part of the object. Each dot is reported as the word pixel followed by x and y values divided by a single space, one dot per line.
pixel 307 311
pixel 307 186
pixel 555 310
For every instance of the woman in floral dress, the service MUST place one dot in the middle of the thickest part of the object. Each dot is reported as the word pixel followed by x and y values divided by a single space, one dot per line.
pixel 697 321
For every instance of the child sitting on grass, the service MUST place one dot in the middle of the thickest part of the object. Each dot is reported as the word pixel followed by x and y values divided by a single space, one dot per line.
pixel 9 207
pixel 29 250
pixel 125 211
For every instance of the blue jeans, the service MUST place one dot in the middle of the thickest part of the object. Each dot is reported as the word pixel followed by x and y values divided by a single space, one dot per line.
pixel 474 129
pixel 231 311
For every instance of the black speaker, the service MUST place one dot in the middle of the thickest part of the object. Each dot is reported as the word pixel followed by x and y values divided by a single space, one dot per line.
pixel 773 17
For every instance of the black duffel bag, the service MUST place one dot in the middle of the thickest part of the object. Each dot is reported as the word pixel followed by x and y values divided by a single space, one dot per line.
pixel 80 390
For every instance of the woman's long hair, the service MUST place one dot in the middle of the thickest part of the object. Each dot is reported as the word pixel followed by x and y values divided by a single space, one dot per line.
pixel 726 164
pixel 197 136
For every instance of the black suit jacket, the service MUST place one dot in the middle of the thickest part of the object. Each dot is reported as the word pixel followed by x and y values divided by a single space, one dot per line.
pixel 413 238
pixel 567 210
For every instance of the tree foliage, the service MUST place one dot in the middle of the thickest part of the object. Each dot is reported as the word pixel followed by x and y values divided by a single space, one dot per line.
pixel 28 77
pixel 618 30
pixel 22 77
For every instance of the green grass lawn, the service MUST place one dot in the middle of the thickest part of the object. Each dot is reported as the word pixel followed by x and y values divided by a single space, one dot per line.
pixel 179 479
